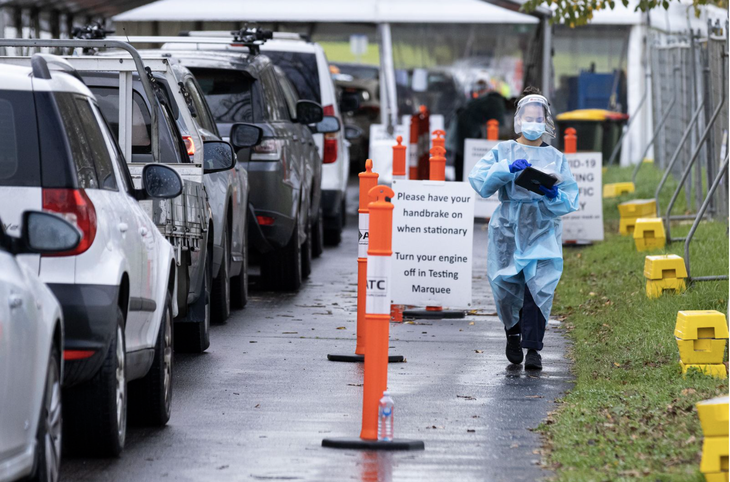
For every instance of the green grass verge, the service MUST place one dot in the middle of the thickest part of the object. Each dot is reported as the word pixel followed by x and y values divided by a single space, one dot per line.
pixel 631 415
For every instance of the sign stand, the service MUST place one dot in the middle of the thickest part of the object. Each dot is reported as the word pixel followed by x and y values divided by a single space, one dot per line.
pixel 368 180
pixel 377 325
pixel 437 172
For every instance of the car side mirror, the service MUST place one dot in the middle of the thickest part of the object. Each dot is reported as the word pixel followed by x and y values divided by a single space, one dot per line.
pixel 159 182
pixel 353 132
pixel 217 156
pixel 46 233
pixel 245 135
pixel 309 112
pixel 328 125
pixel 349 102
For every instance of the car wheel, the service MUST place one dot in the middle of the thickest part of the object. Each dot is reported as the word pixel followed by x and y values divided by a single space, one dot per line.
pixel 333 234
pixel 239 283
pixel 48 438
pixel 220 308
pixel 95 413
pixel 318 236
pixel 150 397
pixel 282 269
pixel 307 253
pixel 194 336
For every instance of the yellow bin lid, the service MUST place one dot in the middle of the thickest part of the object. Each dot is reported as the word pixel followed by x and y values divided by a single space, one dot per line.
pixel 588 115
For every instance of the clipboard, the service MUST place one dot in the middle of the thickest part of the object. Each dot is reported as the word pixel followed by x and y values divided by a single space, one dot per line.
pixel 531 179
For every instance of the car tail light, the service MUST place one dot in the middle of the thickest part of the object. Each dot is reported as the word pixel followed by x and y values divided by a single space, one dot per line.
pixel 328 110
pixel 265 220
pixel 189 145
pixel 330 148
pixel 76 207
pixel 267 150
pixel 77 354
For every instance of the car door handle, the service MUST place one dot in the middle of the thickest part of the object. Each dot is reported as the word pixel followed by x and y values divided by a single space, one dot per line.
pixel 143 231
pixel 123 227
pixel 15 301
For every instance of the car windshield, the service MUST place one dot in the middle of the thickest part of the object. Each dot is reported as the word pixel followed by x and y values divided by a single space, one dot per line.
pixel 228 93
pixel 19 156
pixel 358 71
pixel 301 69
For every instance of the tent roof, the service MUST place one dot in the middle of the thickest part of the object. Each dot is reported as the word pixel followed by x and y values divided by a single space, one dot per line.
pixel 675 19
pixel 328 11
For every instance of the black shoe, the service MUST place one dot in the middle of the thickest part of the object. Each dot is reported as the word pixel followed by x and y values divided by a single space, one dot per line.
pixel 533 360
pixel 514 349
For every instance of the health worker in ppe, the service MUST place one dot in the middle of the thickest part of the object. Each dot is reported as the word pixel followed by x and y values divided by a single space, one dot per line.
pixel 525 256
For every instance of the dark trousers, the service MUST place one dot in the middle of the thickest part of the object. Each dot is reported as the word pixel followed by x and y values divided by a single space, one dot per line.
pixel 531 324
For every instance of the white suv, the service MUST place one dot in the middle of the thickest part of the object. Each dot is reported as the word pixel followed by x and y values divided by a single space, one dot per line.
pixel 306 66
pixel 117 287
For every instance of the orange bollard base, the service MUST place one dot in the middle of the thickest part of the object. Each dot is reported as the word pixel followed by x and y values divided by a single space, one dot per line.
pixel 361 358
pixel 360 444
pixel 434 314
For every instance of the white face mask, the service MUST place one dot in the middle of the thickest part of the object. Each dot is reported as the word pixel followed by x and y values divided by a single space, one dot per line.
pixel 533 130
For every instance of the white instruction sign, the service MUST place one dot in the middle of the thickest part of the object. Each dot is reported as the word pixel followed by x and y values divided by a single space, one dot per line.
pixel 586 224
pixel 474 150
pixel 433 223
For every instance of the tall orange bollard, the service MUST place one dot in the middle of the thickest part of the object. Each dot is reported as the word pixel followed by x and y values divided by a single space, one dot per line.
pixel 492 130
pixel 377 325
pixel 399 159
pixel 368 180
pixel 571 141
pixel 437 172
pixel 439 139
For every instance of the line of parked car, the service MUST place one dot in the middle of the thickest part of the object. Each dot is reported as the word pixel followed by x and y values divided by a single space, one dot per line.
pixel 136 189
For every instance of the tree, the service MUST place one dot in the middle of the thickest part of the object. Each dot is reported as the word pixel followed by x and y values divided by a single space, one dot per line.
pixel 580 12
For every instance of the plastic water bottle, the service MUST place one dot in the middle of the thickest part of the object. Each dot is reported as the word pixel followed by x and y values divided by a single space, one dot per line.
pixel 385 418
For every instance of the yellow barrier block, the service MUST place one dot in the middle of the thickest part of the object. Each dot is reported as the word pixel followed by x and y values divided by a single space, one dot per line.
pixel 656 287
pixel 649 234
pixel 714 455
pixel 714 416
pixel 626 226
pixel 717 477
pixel 638 208
pixel 617 189
pixel 693 325
pixel 648 160
pixel 664 266
pixel 717 371
pixel 705 351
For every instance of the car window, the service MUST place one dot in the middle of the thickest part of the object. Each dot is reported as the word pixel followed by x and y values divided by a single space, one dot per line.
pixel 290 94
pixel 108 101
pixel 77 141
pixel 228 93
pixel 96 145
pixel 204 118
pixel 18 140
pixel 178 145
pixel 301 69
pixel 116 152
pixel 274 97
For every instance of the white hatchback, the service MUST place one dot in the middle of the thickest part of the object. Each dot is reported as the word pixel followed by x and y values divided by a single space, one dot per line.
pixel 31 342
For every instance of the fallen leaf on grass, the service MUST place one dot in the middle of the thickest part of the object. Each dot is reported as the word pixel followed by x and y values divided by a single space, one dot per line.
pixel 617 365
pixel 688 391
pixel 689 441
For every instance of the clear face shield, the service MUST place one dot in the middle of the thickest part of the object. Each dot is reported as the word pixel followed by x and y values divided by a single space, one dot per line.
pixel 533 118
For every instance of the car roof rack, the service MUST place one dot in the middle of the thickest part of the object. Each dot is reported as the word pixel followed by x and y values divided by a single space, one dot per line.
pixel 227 34
pixel 40 65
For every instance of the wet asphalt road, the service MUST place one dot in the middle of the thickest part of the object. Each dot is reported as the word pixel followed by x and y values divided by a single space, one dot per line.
pixel 257 404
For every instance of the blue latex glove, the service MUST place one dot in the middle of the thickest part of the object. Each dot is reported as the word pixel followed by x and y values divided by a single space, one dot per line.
pixel 551 193
pixel 519 165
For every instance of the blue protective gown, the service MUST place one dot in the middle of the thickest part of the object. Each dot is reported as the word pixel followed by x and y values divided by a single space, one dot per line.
pixel 525 232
